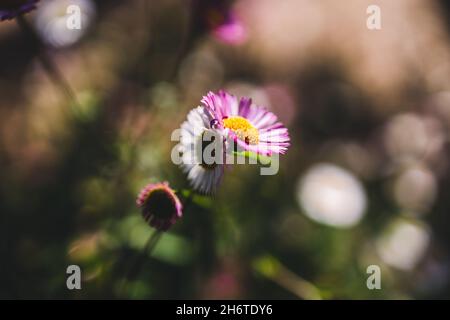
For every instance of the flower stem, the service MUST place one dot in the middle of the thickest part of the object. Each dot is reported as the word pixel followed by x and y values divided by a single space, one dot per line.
pixel 49 66
pixel 136 268
pixel 271 268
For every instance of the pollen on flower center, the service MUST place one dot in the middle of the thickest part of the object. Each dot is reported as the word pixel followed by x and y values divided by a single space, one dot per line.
pixel 243 129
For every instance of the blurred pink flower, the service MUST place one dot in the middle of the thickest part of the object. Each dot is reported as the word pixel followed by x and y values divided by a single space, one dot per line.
pixel 232 31
pixel 226 281
pixel 161 208
pixel 219 18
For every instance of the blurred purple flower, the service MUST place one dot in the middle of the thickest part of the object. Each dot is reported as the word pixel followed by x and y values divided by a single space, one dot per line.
pixel 231 31
pixel 219 18
pixel 160 207
pixel 226 282
pixel 9 9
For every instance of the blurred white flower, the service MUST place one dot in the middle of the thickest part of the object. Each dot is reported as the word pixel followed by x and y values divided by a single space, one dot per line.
pixel 440 105
pixel 52 21
pixel 403 244
pixel 410 137
pixel 415 188
pixel 332 196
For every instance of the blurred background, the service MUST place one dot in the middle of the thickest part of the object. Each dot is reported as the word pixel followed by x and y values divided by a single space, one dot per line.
pixel 365 181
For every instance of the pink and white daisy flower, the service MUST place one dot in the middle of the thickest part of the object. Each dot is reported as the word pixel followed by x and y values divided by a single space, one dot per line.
pixel 251 127
pixel 197 133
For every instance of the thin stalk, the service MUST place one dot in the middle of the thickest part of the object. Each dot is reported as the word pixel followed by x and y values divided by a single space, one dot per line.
pixel 136 268
pixel 49 66
pixel 274 270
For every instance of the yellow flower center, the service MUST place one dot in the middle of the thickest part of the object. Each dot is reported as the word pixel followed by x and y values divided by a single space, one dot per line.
pixel 243 129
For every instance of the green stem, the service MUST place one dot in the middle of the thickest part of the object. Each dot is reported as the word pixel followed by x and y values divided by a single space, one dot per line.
pixel 271 268
pixel 136 268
